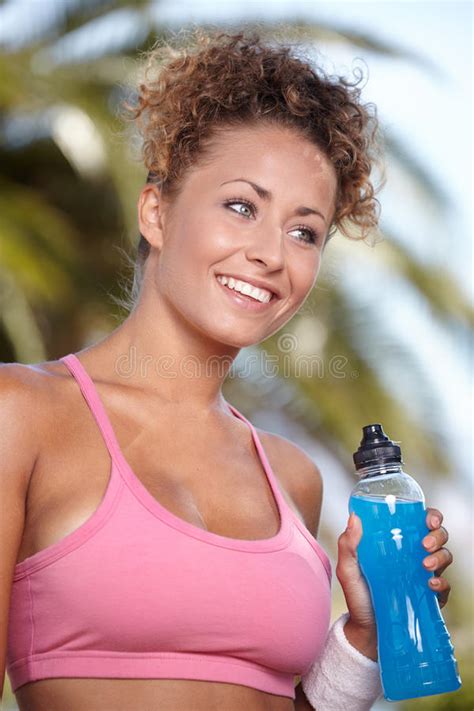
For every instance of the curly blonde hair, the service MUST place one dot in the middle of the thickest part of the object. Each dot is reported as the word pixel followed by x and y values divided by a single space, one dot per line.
pixel 217 80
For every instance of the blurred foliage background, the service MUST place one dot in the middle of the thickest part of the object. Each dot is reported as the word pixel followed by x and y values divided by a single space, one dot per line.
pixel 70 178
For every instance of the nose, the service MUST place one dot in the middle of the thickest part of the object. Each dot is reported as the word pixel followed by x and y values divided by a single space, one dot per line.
pixel 266 247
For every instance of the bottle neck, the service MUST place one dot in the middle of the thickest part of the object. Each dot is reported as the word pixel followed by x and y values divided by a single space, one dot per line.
pixel 381 468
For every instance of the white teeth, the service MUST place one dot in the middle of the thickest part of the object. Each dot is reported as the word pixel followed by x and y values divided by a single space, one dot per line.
pixel 245 288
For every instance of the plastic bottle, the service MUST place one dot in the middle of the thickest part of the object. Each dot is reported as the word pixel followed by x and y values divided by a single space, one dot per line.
pixel 416 656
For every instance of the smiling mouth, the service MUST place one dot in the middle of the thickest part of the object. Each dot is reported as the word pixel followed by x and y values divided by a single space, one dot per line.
pixel 268 294
pixel 246 302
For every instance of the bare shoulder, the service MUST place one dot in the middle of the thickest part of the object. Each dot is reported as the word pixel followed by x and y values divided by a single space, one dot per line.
pixel 298 473
pixel 21 383
pixel 25 391
pixel 19 386
pixel 28 394
pixel 19 441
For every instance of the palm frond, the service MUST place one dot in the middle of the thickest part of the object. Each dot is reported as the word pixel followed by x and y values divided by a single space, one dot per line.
pixel 19 321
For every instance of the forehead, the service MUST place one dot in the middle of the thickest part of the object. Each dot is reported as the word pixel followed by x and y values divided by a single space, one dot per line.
pixel 272 156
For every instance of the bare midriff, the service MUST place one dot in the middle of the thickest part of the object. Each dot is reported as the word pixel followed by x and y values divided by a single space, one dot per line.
pixel 145 695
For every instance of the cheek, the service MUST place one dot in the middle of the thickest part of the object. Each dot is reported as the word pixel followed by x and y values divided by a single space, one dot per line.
pixel 187 259
pixel 202 240
pixel 304 275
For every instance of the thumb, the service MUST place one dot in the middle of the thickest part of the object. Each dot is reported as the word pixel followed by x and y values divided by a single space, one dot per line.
pixel 350 539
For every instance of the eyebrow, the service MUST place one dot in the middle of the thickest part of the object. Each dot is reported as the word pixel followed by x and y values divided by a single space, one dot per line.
pixel 264 194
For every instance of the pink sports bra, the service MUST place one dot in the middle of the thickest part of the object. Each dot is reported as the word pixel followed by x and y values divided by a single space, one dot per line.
pixel 137 592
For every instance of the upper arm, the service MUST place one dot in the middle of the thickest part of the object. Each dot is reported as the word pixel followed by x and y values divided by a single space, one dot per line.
pixel 18 452
pixel 300 475
pixel 306 488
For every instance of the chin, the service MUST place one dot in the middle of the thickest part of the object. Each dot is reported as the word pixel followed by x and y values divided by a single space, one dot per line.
pixel 234 341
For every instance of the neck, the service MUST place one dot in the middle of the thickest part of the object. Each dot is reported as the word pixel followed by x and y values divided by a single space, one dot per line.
pixel 157 350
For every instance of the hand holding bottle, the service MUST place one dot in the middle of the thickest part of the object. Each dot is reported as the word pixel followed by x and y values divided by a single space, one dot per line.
pixel 384 569
pixel 354 586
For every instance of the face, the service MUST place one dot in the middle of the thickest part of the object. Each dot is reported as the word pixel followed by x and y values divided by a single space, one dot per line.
pixel 258 212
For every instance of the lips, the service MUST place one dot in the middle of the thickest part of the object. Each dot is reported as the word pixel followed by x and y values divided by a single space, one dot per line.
pixel 244 302
pixel 258 283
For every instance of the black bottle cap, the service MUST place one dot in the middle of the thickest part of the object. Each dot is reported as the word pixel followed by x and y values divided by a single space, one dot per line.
pixel 376 448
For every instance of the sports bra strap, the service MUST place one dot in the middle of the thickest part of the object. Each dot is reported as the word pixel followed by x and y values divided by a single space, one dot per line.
pixel 263 457
pixel 88 389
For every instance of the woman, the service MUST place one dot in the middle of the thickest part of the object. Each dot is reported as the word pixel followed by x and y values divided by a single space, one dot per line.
pixel 157 551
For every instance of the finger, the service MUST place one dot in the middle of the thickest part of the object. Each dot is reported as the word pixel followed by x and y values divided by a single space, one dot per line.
pixel 435 539
pixel 442 589
pixel 434 518
pixel 347 543
pixel 438 562
pixel 349 539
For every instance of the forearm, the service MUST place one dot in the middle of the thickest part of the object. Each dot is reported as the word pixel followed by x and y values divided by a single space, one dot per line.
pixel 365 641
pixel 346 674
pixel 301 702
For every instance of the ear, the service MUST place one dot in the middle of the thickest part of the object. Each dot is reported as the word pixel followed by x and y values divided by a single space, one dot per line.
pixel 150 215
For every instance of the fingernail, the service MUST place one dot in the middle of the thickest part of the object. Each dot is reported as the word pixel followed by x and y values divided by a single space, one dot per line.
pixel 436 521
pixel 429 541
pixel 434 581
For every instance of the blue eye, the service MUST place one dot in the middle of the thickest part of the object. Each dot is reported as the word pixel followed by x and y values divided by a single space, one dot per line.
pixel 312 235
pixel 240 201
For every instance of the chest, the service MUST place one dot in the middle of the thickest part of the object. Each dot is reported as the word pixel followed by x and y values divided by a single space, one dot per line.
pixel 210 476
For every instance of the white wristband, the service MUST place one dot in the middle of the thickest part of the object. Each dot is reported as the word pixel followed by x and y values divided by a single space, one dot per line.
pixel 342 678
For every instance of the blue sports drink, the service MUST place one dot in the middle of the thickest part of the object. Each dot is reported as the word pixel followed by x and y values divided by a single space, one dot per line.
pixel 414 647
